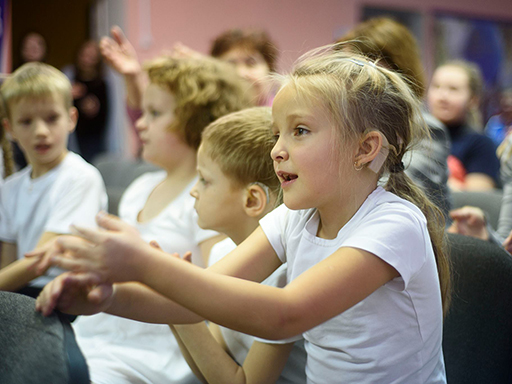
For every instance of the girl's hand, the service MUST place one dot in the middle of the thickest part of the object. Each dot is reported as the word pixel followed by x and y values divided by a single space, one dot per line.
pixel 76 294
pixel 43 255
pixel 469 221
pixel 111 254
pixel 119 53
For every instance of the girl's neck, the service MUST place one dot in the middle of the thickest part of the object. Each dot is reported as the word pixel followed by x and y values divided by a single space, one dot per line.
pixel 335 216
pixel 184 168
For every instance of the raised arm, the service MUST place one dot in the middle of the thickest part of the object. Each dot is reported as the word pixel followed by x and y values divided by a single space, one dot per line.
pixel 119 53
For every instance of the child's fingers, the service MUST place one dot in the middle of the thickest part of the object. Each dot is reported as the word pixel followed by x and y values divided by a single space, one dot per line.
pixel 35 253
pixel 82 265
pixel 93 235
pixel 100 293
pixel 117 34
pixel 188 256
pixel 155 244
pixel 111 222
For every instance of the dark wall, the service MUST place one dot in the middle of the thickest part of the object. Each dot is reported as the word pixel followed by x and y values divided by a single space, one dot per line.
pixel 63 23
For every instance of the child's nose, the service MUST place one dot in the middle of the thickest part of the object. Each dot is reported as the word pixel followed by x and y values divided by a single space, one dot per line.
pixel 278 153
pixel 41 128
pixel 193 191
pixel 140 124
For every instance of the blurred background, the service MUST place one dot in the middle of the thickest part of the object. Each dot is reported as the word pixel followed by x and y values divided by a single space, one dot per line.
pixel 446 29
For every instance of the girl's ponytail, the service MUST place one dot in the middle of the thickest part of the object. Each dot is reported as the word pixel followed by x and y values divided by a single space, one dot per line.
pixel 401 185
pixel 7 154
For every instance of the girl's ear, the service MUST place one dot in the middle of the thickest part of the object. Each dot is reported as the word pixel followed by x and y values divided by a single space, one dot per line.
pixel 369 147
pixel 255 201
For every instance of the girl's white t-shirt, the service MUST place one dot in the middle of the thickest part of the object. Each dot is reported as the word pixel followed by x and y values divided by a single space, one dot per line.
pixel 392 336
pixel 120 350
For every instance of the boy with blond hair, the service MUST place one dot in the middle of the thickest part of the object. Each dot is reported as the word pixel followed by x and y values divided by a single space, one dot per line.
pixel 238 186
pixel 56 189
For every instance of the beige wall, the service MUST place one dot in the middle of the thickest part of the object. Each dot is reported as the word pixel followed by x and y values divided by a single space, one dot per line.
pixel 296 25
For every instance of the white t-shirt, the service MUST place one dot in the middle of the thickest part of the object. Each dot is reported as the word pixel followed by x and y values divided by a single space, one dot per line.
pixel 392 336
pixel 239 343
pixel 119 350
pixel 71 193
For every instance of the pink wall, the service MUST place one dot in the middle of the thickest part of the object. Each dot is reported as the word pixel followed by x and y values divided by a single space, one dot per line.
pixel 296 25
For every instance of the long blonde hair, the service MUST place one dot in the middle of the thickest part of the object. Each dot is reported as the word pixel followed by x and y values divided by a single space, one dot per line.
pixel 362 97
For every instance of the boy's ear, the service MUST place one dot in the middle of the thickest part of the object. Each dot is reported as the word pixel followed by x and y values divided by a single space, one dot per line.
pixel 8 128
pixel 369 147
pixel 255 201
pixel 73 117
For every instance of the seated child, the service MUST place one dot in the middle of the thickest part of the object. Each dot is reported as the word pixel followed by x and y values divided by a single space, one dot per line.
pixel 367 274
pixel 57 188
pixel 453 98
pixel 182 98
pixel 238 186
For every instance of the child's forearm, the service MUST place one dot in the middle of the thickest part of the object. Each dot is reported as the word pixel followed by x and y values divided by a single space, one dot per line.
pixel 186 354
pixel 135 85
pixel 218 298
pixel 138 302
pixel 207 356
pixel 16 275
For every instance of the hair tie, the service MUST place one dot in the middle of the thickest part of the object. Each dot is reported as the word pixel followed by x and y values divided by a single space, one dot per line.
pixel 396 168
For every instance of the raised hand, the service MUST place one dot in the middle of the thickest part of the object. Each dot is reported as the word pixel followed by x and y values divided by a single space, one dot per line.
pixel 119 53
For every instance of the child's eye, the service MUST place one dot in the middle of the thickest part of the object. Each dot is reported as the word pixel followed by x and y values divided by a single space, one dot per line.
pixel 251 62
pixel 25 122
pixel 276 137
pixel 301 131
pixel 154 113
pixel 203 181
pixel 52 118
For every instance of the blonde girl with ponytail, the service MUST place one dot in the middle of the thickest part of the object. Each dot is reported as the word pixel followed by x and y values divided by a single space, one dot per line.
pixel 368 275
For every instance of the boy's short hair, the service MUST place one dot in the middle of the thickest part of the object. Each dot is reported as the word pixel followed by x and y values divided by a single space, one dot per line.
pixel 204 89
pixel 240 143
pixel 35 80
pixel 251 39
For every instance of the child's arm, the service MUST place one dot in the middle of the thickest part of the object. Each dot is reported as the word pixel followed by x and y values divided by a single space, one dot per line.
pixel 242 305
pixel 263 364
pixel 119 53
pixel 16 274
pixel 8 255
pixel 186 354
pixel 206 246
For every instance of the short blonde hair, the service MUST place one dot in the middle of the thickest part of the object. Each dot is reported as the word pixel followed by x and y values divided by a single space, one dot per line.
pixel 204 89
pixel 240 143
pixel 35 80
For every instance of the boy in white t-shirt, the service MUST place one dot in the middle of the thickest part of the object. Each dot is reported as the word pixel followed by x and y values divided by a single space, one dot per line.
pixel 238 186
pixel 56 189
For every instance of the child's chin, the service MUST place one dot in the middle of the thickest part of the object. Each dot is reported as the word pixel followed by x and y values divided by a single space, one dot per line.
pixel 294 205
